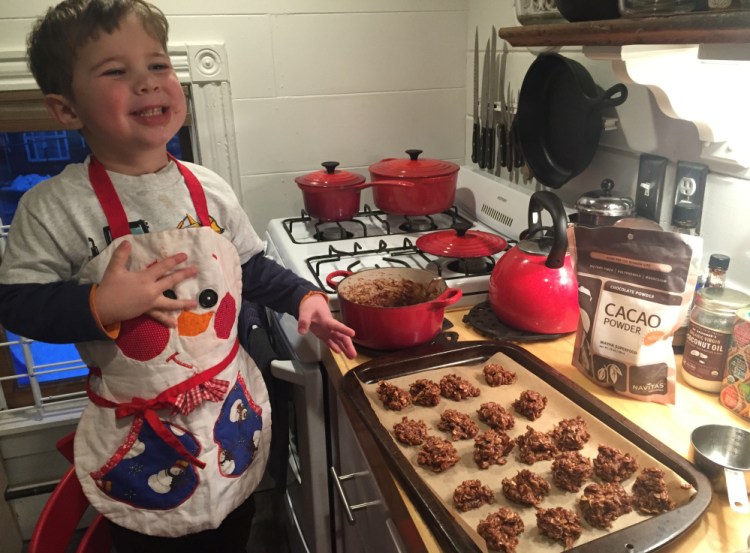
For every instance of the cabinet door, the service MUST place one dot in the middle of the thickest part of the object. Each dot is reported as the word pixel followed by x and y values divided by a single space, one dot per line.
pixel 373 530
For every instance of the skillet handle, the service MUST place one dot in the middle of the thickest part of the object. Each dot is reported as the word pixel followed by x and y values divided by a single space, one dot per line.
pixel 612 97
pixel 544 199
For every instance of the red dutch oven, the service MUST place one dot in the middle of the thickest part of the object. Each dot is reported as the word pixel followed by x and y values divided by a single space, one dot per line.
pixel 434 187
pixel 461 242
pixel 334 195
pixel 392 328
pixel 533 286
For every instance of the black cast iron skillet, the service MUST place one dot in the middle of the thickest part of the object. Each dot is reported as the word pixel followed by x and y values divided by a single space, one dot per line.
pixel 560 117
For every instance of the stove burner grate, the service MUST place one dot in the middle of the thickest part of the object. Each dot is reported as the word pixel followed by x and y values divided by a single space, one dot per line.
pixel 418 224
pixel 470 266
pixel 389 254
pixel 329 232
pixel 367 222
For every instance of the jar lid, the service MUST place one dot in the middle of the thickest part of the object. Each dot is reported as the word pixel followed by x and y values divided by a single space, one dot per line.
pixel 602 202
pixel 461 243
pixel 722 299
pixel 718 261
pixel 400 168
pixel 329 177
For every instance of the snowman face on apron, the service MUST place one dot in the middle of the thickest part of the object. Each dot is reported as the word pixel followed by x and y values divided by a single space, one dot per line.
pixel 216 289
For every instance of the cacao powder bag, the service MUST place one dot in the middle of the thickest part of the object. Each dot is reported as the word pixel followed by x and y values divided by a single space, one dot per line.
pixel 635 287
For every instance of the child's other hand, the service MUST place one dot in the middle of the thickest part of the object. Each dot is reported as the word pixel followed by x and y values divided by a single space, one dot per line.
pixel 315 316
pixel 124 294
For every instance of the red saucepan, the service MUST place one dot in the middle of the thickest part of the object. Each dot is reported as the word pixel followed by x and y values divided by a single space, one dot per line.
pixel 334 195
pixel 533 286
pixel 434 187
pixel 393 307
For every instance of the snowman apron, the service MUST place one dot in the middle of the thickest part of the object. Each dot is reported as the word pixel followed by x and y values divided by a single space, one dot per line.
pixel 177 431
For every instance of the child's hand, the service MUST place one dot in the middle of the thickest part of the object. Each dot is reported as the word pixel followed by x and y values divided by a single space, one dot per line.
pixel 124 294
pixel 315 316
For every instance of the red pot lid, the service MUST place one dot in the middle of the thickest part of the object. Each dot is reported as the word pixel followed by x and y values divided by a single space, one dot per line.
pixel 397 168
pixel 329 177
pixel 460 242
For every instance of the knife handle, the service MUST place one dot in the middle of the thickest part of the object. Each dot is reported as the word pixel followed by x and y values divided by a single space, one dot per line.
pixel 518 161
pixel 475 143
pixel 490 152
pixel 501 132
pixel 482 148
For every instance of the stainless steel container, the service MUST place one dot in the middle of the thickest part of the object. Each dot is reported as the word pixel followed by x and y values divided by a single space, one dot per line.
pixel 601 208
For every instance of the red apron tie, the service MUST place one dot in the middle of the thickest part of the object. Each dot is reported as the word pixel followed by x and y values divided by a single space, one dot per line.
pixel 182 397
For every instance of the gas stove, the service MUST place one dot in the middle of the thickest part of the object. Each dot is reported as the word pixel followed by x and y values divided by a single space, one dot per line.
pixel 314 250
pixel 372 238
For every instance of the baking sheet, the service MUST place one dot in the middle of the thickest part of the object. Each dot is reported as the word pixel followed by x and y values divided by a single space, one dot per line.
pixel 433 492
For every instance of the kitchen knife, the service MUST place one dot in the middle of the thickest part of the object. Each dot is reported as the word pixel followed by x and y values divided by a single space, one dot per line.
pixel 502 133
pixel 490 153
pixel 485 99
pixel 475 131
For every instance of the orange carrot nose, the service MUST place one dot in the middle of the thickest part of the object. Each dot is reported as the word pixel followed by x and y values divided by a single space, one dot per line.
pixel 192 324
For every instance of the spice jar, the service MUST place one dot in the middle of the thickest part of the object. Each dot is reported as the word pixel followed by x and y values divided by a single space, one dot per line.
pixel 717 271
pixel 708 335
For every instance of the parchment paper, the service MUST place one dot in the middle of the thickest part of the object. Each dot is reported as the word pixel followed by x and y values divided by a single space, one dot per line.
pixel 558 407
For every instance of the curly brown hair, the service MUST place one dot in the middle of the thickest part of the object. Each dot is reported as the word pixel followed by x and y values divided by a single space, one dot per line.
pixel 66 27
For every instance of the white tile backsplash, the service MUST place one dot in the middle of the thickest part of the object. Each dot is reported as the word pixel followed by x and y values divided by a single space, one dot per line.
pixel 375 52
pixel 248 43
pixel 284 135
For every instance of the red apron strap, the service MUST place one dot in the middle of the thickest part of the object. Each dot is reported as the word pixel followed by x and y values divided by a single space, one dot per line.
pixel 196 192
pixel 107 196
pixel 115 213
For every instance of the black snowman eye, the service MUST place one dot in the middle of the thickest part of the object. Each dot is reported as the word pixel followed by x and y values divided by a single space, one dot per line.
pixel 208 298
pixel 170 294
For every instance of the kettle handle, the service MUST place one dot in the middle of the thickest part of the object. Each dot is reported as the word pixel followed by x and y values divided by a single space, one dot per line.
pixel 544 199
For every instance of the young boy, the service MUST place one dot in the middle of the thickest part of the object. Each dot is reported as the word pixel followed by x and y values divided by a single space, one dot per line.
pixel 143 261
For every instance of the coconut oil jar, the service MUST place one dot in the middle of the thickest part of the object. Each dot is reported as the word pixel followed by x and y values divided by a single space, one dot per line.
pixel 708 336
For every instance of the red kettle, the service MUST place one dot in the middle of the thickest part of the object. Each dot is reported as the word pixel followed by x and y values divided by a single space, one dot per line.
pixel 533 286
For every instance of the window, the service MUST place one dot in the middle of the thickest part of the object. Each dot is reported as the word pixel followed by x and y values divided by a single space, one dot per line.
pixel 34 374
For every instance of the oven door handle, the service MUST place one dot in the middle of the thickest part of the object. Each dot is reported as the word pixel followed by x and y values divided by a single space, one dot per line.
pixel 289 371
pixel 349 509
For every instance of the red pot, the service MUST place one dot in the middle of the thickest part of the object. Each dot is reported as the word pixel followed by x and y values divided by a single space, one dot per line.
pixel 334 195
pixel 533 286
pixel 434 187
pixel 392 328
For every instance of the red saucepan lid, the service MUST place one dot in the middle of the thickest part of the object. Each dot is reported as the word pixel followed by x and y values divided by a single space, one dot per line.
pixel 401 168
pixel 462 243
pixel 329 177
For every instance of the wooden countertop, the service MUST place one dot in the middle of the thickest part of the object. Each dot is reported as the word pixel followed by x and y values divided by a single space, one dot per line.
pixel 721 530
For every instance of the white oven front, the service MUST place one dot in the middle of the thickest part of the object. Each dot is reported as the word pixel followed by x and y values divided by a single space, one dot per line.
pixel 332 501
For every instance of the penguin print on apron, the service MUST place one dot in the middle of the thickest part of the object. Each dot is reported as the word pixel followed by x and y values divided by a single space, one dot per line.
pixel 177 430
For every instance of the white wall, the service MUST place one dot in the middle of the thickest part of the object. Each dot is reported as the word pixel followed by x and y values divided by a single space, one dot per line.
pixel 358 80
pixel 350 80
pixel 642 128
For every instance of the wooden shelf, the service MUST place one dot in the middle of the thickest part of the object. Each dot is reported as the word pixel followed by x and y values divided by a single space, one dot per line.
pixel 693 28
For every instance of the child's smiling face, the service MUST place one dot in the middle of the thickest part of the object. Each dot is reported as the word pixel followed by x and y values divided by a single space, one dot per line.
pixel 126 96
